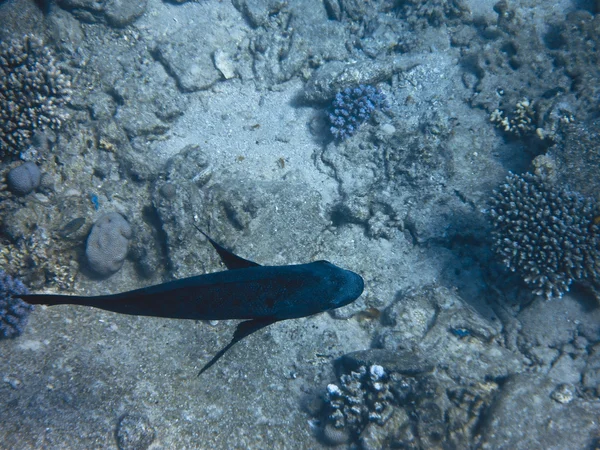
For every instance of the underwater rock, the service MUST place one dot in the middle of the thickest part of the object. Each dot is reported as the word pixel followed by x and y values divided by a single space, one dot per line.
pixel 113 138
pixel 232 209
pixel 117 13
pixel 375 406
pixel 224 64
pixel 526 415
pixel 24 179
pixel 134 432
pixel 122 12
pixel 192 68
pixel 590 379
pixel 257 11
pixel 576 157
pixel 108 243
pixel 405 363
pixel 138 122
pixel 549 327
pixel 335 76
pixel 436 324
pixel 511 59
pixel 280 57
pixel 415 168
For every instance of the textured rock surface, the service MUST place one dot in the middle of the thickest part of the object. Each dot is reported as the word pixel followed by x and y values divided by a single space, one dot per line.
pixel 134 432
pixel 193 67
pixel 267 210
pixel 556 326
pixel 117 13
pixel 555 425
pixel 437 325
pixel 571 162
pixel 24 179
pixel 108 243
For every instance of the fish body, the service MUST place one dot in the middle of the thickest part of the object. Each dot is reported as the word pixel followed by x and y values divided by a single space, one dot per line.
pixel 259 295
pixel 258 292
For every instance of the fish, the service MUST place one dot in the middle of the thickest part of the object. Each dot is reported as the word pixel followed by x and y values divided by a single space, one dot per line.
pixel 258 295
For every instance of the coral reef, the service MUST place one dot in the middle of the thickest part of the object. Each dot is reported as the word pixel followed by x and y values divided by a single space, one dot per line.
pixel 520 122
pixel 547 235
pixel 33 90
pixel 353 107
pixel 395 399
pixel 108 244
pixel 216 114
pixel 13 311
pixel 421 13
pixel 530 81
pixel 40 260
pixel 39 240
pixel 361 397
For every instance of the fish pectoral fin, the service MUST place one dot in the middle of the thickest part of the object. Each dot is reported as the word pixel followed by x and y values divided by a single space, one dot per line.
pixel 230 259
pixel 243 330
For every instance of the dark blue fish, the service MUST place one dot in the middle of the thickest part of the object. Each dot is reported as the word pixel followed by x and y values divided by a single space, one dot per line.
pixel 260 295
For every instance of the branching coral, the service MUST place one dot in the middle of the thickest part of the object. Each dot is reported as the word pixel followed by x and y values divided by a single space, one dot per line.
pixel 13 310
pixel 33 90
pixel 353 107
pixel 546 234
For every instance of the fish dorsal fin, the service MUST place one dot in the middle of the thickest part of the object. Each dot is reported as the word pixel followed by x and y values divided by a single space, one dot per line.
pixel 243 330
pixel 230 259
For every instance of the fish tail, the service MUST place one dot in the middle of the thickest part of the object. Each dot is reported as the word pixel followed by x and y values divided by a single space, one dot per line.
pixel 53 299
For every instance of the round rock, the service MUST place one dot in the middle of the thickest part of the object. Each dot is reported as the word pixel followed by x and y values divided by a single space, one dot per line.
pixel 108 243
pixel 24 179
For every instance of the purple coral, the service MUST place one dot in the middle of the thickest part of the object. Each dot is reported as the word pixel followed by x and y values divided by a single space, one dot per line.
pixel 13 311
pixel 352 107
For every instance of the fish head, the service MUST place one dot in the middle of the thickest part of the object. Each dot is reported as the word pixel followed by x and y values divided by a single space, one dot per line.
pixel 346 286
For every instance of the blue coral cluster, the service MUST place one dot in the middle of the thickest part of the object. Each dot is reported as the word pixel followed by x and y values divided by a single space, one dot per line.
pixel 13 311
pixel 352 107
